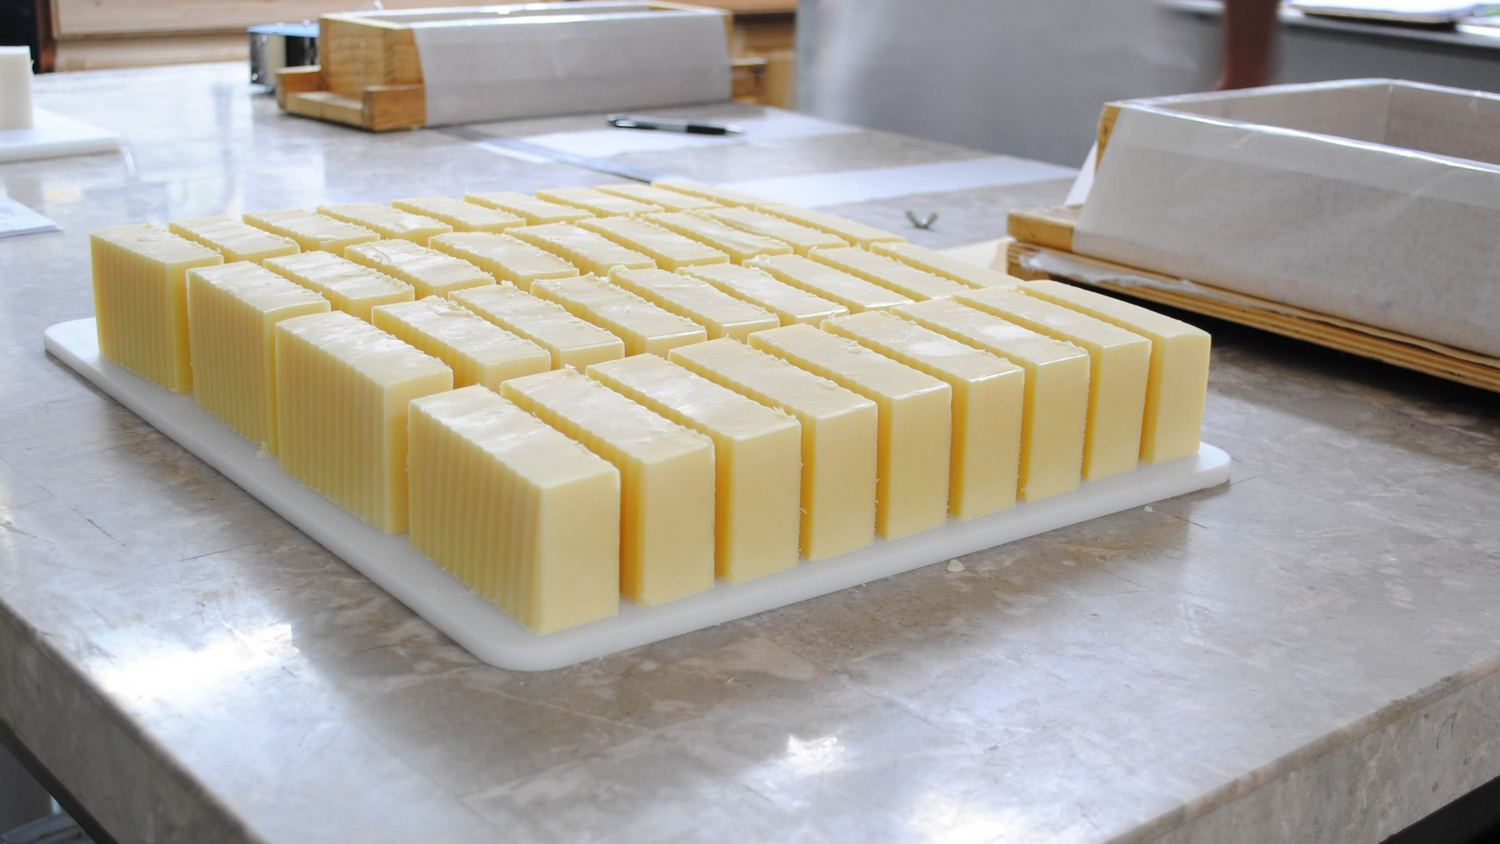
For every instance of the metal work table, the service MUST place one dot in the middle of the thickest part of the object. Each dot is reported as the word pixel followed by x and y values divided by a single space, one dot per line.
pixel 1308 653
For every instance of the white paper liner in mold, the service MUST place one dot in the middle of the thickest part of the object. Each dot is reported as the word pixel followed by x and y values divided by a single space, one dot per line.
pixel 491 635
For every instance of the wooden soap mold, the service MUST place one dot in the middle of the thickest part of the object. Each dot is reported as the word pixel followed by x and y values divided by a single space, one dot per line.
pixel 494 637
pixel 370 75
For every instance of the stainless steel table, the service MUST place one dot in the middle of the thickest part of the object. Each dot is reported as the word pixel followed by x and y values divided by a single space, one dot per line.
pixel 1308 653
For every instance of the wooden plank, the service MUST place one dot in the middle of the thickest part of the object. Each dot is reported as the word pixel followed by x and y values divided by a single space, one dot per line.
pixel 296 80
pixel 391 107
pixel 108 53
pixel 1049 225
pixel 1107 117
pixel 96 18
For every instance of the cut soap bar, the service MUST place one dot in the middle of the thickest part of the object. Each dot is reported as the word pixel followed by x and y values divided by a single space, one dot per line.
pixel 668 200
pixel 720 314
pixel 645 328
pixel 342 387
pixel 519 513
pixel 988 396
pixel 667 248
pixel 462 216
pixel 1119 363
pixel 829 283
pixel 312 232
pixel 702 191
pixel 596 202
pixel 587 250
pixel 963 272
pixel 140 300
pixel 666 475
pixel 791 305
pixel 1178 381
pixel 892 275
pixel 504 257
pixel 477 350
pixel 235 240
pixel 916 422
pixel 1057 390
pixel 534 211
pixel 428 271
pixel 232 314
pixel 856 233
pixel 352 288
pixel 802 239
pixel 739 246
pixel 840 437
pixel 569 340
pixel 757 450
pixel 387 221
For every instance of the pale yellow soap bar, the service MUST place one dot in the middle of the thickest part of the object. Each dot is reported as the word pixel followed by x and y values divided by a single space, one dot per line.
pixel 234 239
pixel 388 222
pixel 232 314
pixel 519 513
pixel 892 275
pixel 830 283
pixel 916 422
pixel 722 196
pixel 596 202
pixel 927 260
pixel 589 251
pixel 1057 390
pixel 791 305
pixel 477 350
pixel 140 300
pixel 720 314
pixel 667 200
pixel 840 438
pixel 758 457
pixel 667 248
pixel 739 246
pixel 988 397
pixel 535 212
pixel 342 389
pixel 855 233
pixel 1178 381
pixel 504 257
pixel 350 287
pixel 428 271
pixel 569 340
pixel 802 239
pixel 645 328
pixel 666 475
pixel 462 216
pixel 312 232
pixel 1119 363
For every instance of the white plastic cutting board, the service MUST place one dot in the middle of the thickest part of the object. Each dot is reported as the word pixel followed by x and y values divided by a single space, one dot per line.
pixel 53 135
pixel 491 635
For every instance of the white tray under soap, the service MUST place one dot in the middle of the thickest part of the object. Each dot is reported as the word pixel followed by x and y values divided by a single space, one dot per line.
pixel 491 635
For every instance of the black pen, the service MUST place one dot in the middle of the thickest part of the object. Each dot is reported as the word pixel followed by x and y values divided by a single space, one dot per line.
pixel 625 121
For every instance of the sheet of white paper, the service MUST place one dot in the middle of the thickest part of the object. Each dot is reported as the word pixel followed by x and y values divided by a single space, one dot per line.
pixel 17 219
pixel 886 182
pixel 1081 185
pixel 602 143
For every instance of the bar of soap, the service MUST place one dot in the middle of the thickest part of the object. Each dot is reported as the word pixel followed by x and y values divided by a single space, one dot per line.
pixel 916 422
pixel 342 387
pixel 722 196
pixel 645 328
pixel 790 304
pixel 666 476
pixel 1119 365
pixel 1178 380
pixel 757 454
pixel 235 240
pixel 927 260
pixel 516 511
pixel 312 232
pixel 587 250
pixel 840 438
pixel 428 271
pixel 477 350
pixel 892 275
pixel 386 221
pixel 667 200
pixel 596 202
pixel 1057 390
pixel 829 283
pixel 569 340
pixel 535 212
pixel 739 246
pixel 802 239
pixel 232 314
pixel 504 257
pixel 667 248
pixel 855 233
pixel 462 216
pixel 720 314
pixel 352 288
pixel 140 300
pixel 988 396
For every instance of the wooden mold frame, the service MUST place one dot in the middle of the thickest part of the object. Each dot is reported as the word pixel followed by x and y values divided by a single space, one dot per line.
pixel 370 75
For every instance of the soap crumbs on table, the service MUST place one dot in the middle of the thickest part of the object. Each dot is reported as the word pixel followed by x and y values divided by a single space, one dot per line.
pixel 955 566
pixel 1149 510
